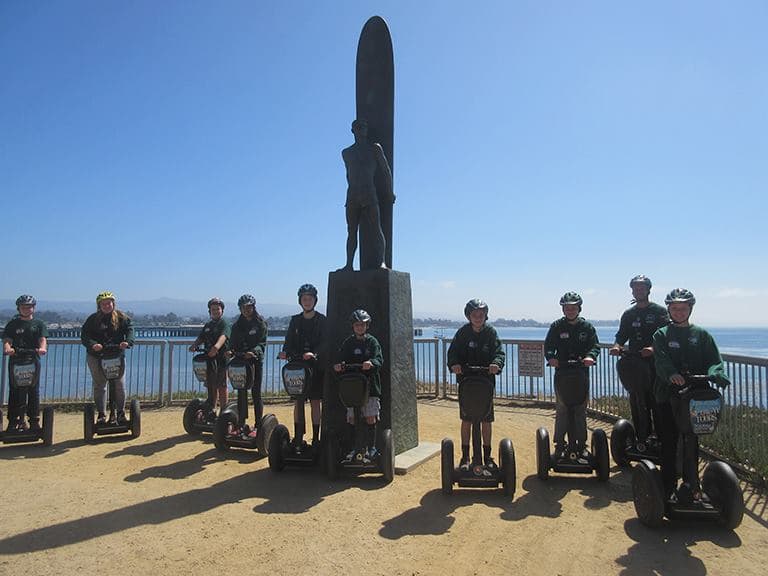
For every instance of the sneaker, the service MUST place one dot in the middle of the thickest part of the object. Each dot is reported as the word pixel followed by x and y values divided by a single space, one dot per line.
pixel 370 455
pixel 583 457
pixel 490 466
pixel 101 419
pixel 253 433
pixel 685 494
pixel 561 452
pixel 34 426
pixel 121 419
pixel 464 466
pixel 641 447
pixel 112 418
pixel 349 457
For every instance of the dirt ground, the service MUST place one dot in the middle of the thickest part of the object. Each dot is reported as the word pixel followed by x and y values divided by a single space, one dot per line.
pixel 167 503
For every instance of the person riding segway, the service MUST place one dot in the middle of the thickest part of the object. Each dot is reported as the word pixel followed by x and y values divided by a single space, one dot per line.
pixel 637 440
pixel 106 335
pixel 571 347
pixel 357 366
pixel 248 341
pixel 303 378
pixel 475 356
pixel 25 339
pixel 687 360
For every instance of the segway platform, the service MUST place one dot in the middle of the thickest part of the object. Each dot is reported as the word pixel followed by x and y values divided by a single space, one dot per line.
pixel 132 425
pixel 27 435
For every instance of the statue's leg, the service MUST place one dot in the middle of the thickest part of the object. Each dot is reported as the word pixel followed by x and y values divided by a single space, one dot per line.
pixel 375 236
pixel 353 222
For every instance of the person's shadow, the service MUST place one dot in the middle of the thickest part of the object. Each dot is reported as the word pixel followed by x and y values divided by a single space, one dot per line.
pixel 36 450
pixel 667 550
pixel 433 516
pixel 151 448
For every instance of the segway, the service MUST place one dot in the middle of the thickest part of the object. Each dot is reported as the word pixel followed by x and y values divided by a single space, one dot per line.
pixel 112 364
pixel 232 430
pixel 697 410
pixel 24 376
pixel 475 397
pixel 625 446
pixel 353 391
pixel 199 415
pixel 573 388
pixel 297 378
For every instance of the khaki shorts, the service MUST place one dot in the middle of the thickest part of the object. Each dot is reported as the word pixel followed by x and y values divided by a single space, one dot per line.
pixel 371 408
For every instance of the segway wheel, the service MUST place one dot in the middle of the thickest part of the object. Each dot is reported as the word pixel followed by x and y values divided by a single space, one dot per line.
pixel 388 455
pixel 446 465
pixel 720 483
pixel 268 425
pixel 226 421
pixel 648 493
pixel 278 445
pixel 542 453
pixel 508 468
pixel 135 411
pixel 600 454
pixel 48 426
pixel 332 456
pixel 623 432
pixel 190 417
pixel 88 422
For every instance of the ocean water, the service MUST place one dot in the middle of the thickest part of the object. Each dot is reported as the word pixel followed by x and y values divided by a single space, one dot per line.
pixel 741 341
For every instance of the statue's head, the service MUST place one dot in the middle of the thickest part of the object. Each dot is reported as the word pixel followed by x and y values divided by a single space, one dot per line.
pixel 360 127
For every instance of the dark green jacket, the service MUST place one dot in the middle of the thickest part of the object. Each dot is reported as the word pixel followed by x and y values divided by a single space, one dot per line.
pixel 689 350
pixel 639 324
pixel 470 348
pixel 98 329
pixel 249 336
pixel 566 341
pixel 354 351
pixel 306 336
pixel 25 334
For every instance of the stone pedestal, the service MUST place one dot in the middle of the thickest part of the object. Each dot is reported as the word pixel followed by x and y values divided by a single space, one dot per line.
pixel 386 296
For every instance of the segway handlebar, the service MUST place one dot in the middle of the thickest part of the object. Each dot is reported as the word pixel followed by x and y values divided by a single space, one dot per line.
pixel 693 381
pixel 17 350
pixel 109 348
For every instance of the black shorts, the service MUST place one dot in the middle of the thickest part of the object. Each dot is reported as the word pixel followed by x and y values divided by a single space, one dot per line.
pixel 315 391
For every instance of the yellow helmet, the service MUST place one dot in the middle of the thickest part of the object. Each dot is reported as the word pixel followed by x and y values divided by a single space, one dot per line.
pixel 105 296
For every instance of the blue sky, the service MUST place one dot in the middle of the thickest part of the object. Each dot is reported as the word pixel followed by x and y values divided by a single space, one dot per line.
pixel 189 149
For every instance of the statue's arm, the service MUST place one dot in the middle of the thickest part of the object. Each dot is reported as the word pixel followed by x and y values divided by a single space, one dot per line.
pixel 381 159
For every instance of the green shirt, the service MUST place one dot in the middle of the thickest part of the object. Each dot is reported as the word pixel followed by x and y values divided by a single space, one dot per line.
pixel 566 341
pixel 211 332
pixel 25 334
pixel 639 324
pixel 684 350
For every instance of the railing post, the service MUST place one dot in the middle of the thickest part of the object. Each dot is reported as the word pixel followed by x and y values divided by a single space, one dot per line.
pixel 163 345
pixel 170 374
pixel 437 368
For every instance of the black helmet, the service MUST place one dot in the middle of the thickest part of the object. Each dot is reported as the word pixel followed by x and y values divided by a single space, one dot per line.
pixel 360 315
pixel 25 300
pixel 215 300
pixel 475 304
pixel 244 300
pixel 307 289
pixel 571 298
pixel 641 279
pixel 680 295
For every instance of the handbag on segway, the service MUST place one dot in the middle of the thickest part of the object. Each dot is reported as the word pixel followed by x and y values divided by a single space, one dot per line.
pixel 232 429
pixel 199 416
pixel 353 390
pixel 572 387
pixel 25 375
pixel 476 398
pixel 112 364
pixel 697 407
pixel 297 378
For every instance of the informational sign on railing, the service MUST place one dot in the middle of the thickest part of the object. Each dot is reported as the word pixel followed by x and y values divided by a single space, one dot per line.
pixel 530 359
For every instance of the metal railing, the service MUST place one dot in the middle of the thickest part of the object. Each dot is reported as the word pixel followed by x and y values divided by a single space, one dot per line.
pixel 160 372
